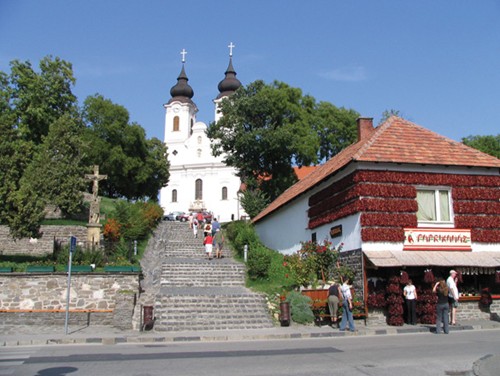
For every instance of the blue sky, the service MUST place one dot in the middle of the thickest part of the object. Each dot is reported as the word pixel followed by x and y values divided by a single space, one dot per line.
pixel 436 61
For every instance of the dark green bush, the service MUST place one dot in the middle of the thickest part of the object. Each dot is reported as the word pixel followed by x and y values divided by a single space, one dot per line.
pixel 81 256
pixel 258 263
pixel 241 233
pixel 300 307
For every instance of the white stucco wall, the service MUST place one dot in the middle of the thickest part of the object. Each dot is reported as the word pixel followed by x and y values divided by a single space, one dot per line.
pixel 288 229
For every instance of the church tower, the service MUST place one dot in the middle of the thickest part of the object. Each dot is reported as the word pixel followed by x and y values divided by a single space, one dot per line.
pixel 228 85
pixel 198 180
pixel 180 112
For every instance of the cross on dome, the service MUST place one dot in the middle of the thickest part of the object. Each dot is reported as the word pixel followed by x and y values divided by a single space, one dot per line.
pixel 231 46
pixel 183 53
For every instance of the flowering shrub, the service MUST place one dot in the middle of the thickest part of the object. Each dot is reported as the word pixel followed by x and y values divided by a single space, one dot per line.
pixel 111 230
pixel 314 261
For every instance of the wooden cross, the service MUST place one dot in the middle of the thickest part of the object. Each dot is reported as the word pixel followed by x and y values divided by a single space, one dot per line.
pixel 231 46
pixel 183 53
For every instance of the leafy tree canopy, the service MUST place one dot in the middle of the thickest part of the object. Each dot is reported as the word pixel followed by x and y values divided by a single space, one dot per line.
pixel 487 144
pixel 45 147
pixel 38 99
pixel 136 167
pixel 267 128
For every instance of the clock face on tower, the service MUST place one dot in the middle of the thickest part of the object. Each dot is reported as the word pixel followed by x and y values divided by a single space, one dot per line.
pixel 176 109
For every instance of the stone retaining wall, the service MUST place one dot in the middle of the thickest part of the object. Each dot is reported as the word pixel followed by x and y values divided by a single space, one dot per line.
pixel 27 299
pixel 42 246
pixel 472 311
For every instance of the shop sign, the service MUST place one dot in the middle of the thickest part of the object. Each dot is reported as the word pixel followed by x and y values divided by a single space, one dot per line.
pixel 432 239
pixel 336 231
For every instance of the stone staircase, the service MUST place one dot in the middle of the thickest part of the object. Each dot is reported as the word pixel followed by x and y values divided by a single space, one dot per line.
pixel 193 293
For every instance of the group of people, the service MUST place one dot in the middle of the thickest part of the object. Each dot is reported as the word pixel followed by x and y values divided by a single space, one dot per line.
pixel 447 303
pixel 341 295
pixel 446 307
pixel 212 235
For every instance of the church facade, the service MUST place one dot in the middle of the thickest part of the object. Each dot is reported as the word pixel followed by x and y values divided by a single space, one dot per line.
pixel 198 180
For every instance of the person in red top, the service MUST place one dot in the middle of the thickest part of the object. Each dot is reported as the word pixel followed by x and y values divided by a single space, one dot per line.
pixel 200 218
pixel 208 241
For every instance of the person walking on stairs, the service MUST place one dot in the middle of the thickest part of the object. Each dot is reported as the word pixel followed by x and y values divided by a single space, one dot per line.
pixel 208 242
pixel 219 243
pixel 195 228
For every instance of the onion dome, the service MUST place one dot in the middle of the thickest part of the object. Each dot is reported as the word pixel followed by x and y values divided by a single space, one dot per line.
pixel 230 83
pixel 181 91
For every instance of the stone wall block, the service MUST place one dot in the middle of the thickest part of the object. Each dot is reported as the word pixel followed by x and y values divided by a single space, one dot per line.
pixel 91 291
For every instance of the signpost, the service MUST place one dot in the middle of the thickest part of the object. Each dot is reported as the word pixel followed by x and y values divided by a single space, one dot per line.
pixel 72 248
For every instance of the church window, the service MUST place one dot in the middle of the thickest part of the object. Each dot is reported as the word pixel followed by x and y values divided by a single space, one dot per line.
pixel 192 123
pixel 199 139
pixel 224 193
pixel 198 189
pixel 199 153
pixel 174 195
pixel 176 124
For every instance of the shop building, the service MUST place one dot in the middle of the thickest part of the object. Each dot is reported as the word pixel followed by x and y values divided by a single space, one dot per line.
pixel 402 199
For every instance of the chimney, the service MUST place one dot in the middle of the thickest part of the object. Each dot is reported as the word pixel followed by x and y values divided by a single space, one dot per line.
pixel 365 127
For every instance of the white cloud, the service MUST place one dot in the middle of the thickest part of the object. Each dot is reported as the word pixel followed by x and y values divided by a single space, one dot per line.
pixel 351 74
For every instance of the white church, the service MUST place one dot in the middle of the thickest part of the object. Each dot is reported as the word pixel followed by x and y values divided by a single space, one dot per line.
pixel 198 180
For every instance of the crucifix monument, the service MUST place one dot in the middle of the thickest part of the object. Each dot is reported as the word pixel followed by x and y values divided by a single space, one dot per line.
pixel 94 227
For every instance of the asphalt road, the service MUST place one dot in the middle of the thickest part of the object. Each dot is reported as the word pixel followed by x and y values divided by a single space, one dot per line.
pixel 408 355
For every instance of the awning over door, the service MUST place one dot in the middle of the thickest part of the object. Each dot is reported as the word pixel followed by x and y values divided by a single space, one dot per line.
pixel 433 258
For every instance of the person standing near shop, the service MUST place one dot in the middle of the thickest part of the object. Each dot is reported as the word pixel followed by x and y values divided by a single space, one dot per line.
pixel 334 297
pixel 410 293
pixel 451 282
pixel 345 289
pixel 442 306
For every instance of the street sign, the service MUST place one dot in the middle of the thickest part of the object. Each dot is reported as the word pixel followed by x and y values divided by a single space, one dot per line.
pixel 72 244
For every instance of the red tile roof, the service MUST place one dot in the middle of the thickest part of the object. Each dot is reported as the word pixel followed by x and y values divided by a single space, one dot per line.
pixel 303 171
pixel 395 141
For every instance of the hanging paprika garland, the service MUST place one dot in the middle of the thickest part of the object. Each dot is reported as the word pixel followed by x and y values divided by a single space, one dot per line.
pixel 429 276
pixel 404 278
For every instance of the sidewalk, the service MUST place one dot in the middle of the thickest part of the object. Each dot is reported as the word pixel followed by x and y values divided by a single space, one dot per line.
pixel 25 335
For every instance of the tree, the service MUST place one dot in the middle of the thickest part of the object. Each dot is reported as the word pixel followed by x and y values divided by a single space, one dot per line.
pixel 487 144
pixel 57 171
pixel 387 114
pixel 38 99
pixel 29 103
pixel 336 128
pixel 136 167
pixel 266 128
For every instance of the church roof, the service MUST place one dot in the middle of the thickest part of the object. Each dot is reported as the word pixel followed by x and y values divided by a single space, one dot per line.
pixel 395 141
pixel 230 83
pixel 181 91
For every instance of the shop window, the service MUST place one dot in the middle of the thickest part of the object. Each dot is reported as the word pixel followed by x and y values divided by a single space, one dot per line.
pixel 224 193
pixel 198 190
pixel 434 206
pixel 176 124
pixel 174 195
